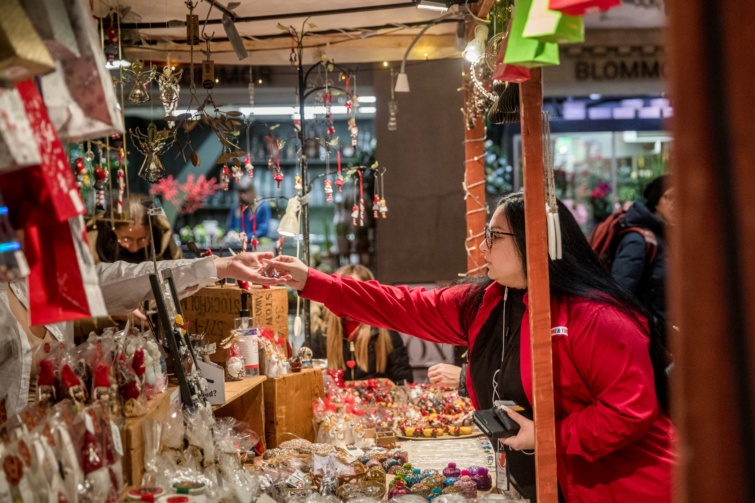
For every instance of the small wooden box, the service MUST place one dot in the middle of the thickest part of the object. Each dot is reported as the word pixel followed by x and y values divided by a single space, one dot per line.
pixel 288 406
pixel 244 401
pixel 212 310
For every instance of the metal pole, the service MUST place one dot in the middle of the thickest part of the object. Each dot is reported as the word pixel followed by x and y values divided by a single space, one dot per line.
pixel 305 189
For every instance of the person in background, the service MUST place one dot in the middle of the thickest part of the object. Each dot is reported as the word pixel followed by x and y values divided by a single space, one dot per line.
pixel 129 240
pixel 614 437
pixel 257 214
pixel 631 266
pixel 362 351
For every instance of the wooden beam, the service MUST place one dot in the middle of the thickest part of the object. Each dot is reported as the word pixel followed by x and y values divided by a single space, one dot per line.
pixel 484 8
pixel 476 207
pixel 712 263
pixel 531 98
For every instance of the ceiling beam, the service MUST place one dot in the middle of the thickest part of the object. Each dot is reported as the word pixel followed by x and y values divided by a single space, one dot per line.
pixel 270 17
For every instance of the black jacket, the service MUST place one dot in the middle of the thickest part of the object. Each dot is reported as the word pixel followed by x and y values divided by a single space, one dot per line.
pixel 397 368
pixel 630 266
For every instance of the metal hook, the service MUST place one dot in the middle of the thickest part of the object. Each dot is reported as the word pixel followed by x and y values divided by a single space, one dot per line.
pixel 204 26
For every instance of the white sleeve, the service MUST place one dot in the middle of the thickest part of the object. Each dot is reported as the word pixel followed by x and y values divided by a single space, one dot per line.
pixel 125 286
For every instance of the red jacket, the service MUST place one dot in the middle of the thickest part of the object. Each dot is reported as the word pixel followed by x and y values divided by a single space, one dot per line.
pixel 614 443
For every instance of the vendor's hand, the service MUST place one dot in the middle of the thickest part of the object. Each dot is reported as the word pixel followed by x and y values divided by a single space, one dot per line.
pixel 291 267
pixel 444 374
pixel 248 267
pixel 525 439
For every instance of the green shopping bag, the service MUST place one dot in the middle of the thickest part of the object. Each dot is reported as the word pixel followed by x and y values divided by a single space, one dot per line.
pixel 547 25
pixel 527 52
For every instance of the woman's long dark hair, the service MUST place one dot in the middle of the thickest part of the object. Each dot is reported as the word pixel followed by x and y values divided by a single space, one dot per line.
pixel 580 274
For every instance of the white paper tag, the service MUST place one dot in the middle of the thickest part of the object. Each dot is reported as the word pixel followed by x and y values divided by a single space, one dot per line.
pixel 353 453
pixel 116 434
pixel 215 377
pixel 501 468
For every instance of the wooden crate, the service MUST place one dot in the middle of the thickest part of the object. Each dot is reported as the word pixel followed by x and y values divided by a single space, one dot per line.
pixel 244 401
pixel 132 433
pixel 288 406
pixel 212 310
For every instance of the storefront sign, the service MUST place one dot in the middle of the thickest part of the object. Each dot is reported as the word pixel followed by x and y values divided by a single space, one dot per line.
pixel 596 69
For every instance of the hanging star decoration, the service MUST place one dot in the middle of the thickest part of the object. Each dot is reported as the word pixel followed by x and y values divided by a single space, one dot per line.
pixel 152 145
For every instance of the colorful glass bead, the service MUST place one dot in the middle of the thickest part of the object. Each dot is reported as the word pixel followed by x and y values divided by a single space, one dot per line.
pixel 434 494
pixel 398 490
pixel 415 477
pixel 421 489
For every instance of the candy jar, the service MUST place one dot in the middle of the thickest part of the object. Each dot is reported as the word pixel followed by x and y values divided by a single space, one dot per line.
pixel 452 471
pixel 434 493
pixel 483 480
pixel 421 489
pixel 415 477
pixel 468 486
pixel 399 490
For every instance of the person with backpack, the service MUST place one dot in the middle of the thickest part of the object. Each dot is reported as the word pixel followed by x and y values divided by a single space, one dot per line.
pixel 614 438
pixel 639 262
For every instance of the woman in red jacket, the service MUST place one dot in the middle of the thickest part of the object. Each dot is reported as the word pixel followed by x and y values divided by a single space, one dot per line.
pixel 614 437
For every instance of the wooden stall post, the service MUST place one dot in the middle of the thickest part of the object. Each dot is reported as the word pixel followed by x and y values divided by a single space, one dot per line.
pixel 531 97
pixel 712 263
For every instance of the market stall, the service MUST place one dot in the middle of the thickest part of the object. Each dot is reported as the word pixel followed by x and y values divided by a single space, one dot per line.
pixel 203 394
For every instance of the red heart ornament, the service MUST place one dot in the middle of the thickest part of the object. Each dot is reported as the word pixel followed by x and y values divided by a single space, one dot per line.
pixel 351 364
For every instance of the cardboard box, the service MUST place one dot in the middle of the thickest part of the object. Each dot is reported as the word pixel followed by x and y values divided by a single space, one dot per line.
pixel 288 406
pixel 212 310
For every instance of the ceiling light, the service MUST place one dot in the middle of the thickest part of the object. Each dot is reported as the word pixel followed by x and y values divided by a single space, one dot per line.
pixel 476 47
pixel 402 83
pixel 117 64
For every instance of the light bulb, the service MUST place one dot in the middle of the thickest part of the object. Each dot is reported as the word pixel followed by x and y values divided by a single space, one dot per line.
pixel 476 47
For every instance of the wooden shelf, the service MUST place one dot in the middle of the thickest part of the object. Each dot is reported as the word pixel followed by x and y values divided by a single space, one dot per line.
pixel 236 389
pixel 245 402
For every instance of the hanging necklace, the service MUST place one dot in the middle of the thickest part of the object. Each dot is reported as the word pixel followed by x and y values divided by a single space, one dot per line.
pixel 498 373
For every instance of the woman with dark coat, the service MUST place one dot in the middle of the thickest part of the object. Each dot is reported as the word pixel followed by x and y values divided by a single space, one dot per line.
pixel 362 351
pixel 632 265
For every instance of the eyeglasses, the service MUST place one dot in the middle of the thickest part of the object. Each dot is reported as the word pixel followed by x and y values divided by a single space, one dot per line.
pixel 490 236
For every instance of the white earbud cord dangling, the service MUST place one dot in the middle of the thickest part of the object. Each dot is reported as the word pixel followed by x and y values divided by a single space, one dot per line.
pixel 496 396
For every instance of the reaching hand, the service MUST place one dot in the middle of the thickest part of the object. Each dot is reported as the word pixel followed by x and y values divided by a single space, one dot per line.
pixel 291 268
pixel 249 267
pixel 444 374
pixel 525 439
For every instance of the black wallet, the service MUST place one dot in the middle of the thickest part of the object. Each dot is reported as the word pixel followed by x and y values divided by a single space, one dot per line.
pixel 495 423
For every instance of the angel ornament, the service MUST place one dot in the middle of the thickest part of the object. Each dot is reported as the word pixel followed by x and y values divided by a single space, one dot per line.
pixel 152 145
pixel 169 82
pixel 139 77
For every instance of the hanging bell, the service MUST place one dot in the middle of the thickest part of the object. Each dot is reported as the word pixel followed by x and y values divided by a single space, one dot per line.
pixel 208 74
pixel 192 29
pixel 152 168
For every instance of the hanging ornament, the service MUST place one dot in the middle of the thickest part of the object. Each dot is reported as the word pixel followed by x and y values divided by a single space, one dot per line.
pixel 100 177
pixel 274 162
pixel 152 145
pixel 354 131
pixel 225 178
pixel 139 78
pixel 242 234
pixel 383 205
pixel 392 115
pixel 361 198
pixel 237 173
pixel 328 187
pixel 375 205
pixel 254 242
pixel 251 91
pixel 111 44
pixel 339 176
pixel 81 172
pixel 297 183
pixel 354 215
pixel 347 85
pixel 121 182
pixel 293 58
pixel 248 166
pixel 278 179
pixel 169 82
pixel 192 25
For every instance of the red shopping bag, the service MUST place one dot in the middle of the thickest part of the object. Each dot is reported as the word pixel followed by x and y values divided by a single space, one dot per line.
pixel 582 7
pixel 508 73
pixel 62 279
